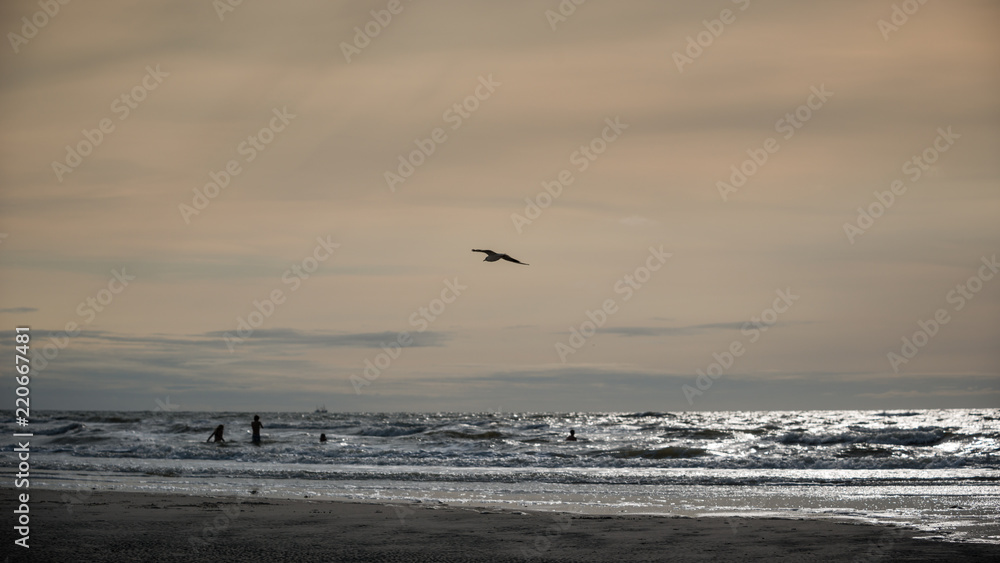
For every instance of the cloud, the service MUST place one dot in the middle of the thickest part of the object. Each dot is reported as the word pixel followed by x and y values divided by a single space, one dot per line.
pixel 636 221
pixel 260 337
pixel 671 330
pixel 19 310
pixel 657 185
pixel 292 337
pixel 913 394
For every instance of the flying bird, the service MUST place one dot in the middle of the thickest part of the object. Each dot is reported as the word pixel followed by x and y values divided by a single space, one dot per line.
pixel 494 256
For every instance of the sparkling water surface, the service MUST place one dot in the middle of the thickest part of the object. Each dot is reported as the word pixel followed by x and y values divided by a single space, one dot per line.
pixel 935 469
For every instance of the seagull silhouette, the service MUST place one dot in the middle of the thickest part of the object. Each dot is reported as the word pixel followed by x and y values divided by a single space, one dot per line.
pixel 494 256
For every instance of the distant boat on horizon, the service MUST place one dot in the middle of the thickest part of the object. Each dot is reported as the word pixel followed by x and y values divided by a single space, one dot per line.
pixel 320 409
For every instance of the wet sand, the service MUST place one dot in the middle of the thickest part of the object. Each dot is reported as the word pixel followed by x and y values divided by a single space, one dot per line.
pixel 130 527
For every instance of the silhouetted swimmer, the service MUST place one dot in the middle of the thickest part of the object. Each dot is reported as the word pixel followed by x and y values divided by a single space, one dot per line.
pixel 322 437
pixel 572 436
pixel 256 426
pixel 216 435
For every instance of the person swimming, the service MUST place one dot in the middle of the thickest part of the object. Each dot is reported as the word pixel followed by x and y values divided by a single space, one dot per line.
pixel 572 436
pixel 256 426
pixel 216 435
pixel 322 437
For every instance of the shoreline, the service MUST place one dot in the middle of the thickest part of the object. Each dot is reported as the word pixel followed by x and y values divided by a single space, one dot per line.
pixel 111 526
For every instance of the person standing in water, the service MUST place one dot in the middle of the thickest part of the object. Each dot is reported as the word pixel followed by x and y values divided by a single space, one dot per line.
pixel 572 436
pixel 216 435
pixel 256 426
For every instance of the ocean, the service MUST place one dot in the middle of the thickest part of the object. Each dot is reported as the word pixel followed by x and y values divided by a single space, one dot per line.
pixel 938 470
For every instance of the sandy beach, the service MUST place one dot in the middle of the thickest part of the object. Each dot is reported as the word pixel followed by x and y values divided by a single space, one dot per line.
pixel 129 527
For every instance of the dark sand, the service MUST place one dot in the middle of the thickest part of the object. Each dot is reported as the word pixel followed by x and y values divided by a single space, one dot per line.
pixel 128 527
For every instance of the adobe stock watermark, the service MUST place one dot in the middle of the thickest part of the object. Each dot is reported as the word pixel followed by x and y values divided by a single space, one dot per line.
pixel 899 16
pixel 914 168
pixel 566 8
pixel 788 125
pixel 401 510
pixel 121 106
pixel 714 29
pixel 38 20
pixel 364 35
pixel 249 148
pixel 88 309
pixel 880 548
pixel 211 529
pixel 292 277
pixel 752 330
pixel 958 297
pixel 165 406
pixel 543 542
pixel 421 319
pixel 626 286
pixel 582 159
pixel 224 7
pixel 82 494
pixel 455 116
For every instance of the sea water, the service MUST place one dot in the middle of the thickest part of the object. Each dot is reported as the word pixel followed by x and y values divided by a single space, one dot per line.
pixel 938 470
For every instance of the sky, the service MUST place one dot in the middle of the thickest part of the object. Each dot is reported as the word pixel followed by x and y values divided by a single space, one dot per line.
pixel 725 205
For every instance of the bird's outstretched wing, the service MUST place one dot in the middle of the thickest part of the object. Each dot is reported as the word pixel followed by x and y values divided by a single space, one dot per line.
pixel 494 256
pixel 509 259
